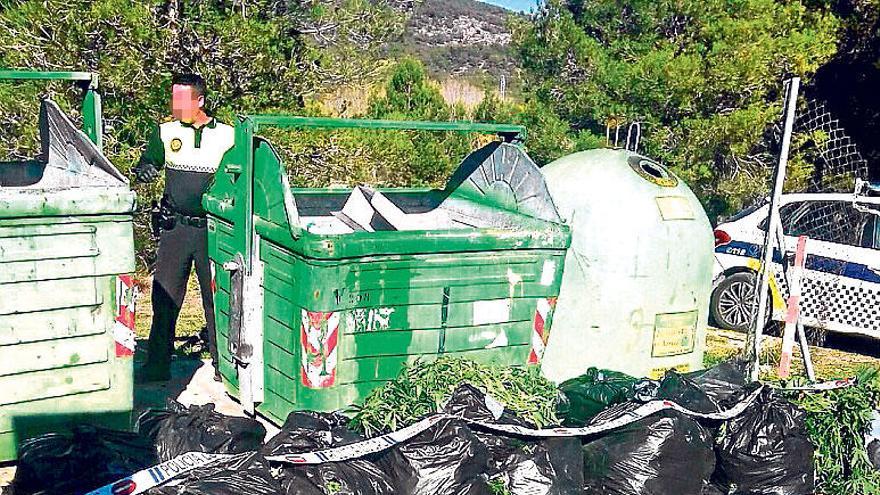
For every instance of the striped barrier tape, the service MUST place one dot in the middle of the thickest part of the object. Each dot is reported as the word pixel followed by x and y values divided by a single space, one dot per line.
pixel 162 473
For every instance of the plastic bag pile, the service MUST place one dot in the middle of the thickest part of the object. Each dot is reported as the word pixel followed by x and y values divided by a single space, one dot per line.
pixel 765 450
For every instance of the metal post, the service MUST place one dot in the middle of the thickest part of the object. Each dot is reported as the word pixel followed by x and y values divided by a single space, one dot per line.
pixel 753 342
pixel 805 352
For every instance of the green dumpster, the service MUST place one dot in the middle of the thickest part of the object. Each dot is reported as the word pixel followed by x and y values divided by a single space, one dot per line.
pixel 66 301
pixel 322 295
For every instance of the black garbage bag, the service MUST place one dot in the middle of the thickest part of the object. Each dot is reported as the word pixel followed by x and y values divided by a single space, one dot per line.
pixel 722 381
pixel 309 431
pixel 80 461
pixel 446 459
pixel 686 393
pixel 178 430
pixel 586 396
pixel 549 467
pixel 872 441
pixel 246 474
pixel 766 449
pixel 874 453
pixel 354 477
pixel 713 490
pixel 664 454
pixel 469 402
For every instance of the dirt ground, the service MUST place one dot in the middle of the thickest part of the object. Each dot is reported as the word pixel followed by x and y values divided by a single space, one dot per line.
pixel 193 383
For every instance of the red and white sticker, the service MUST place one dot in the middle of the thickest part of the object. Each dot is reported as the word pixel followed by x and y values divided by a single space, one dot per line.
pixel 541 327
pixel 319 336
pixel 123 327
pixel 213 276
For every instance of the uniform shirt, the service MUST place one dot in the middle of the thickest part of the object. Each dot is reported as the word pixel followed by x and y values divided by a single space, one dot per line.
pixel 190 155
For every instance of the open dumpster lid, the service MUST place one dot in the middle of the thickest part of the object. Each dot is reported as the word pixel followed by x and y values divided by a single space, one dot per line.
pixel 67 158
pixel 69 177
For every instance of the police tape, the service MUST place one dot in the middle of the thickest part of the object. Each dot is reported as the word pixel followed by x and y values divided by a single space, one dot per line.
pixel 162 473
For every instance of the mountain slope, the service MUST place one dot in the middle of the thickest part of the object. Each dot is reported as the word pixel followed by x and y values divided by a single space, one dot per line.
pixel 460 38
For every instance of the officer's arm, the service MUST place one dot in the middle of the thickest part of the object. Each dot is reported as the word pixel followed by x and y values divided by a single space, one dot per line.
pixel 153 159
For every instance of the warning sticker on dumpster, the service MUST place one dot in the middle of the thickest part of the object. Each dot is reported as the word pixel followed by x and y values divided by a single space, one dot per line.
pixel 319 335
pixel 674 334
pixel 123 327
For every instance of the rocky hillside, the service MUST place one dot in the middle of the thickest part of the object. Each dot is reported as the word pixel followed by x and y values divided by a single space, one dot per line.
pixel 460 38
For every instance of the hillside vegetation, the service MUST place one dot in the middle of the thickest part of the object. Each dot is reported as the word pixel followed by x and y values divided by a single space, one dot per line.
pixel 460 38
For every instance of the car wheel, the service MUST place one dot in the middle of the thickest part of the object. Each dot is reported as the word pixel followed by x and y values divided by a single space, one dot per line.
pixel 733 302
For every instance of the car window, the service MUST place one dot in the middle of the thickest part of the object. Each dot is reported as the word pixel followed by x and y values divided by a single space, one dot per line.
pixel 745 212
pixel 785 213
pixel 868 233
pixel 831 221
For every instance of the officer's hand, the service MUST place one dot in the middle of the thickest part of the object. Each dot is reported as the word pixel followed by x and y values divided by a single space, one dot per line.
pixel 145 172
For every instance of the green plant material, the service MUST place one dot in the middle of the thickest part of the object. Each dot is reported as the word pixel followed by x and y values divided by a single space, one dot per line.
pixel 497 486
pixel 333 487
pixel 837 421
pixel 423 387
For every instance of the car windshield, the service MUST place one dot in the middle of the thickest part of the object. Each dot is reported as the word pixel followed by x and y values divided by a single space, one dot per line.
pixel 746 211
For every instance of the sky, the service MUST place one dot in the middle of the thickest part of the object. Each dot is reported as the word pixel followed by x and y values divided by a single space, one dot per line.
pixel 518 5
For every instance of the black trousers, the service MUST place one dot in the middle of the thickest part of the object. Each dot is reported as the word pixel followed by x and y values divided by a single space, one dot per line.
pixel 179 248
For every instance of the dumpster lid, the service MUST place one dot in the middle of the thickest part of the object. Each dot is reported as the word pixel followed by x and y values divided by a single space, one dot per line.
pixel 68 158
pixel 491 186
pixel 503 175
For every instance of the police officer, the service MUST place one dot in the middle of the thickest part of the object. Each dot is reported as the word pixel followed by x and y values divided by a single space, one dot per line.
pixel 189 149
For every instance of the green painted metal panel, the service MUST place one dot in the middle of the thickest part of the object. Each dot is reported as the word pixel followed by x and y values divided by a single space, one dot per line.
pixel 54 383
pixel 66 237
pixel 92 111
pixel 368 303
pixel 29 75
pixel 64 202
pixel 54 354
pixel 508 131
pixel 390 343
pixel 31 297
pixel 50 325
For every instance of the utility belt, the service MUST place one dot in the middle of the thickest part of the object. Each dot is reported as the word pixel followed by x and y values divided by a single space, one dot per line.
pixel 200 222
pixel 164 217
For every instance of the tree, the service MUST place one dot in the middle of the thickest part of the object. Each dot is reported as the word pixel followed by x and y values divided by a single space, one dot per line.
pixel 409 94
pixel 703 77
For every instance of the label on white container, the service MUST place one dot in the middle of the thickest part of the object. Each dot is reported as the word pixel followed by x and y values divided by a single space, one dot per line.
pixel 674 334
pixel 675 208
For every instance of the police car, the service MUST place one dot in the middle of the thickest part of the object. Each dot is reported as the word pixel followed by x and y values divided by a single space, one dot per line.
pixel 840 288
